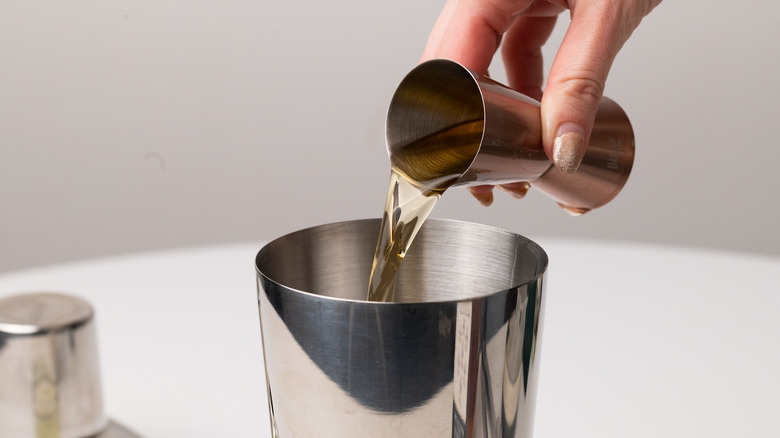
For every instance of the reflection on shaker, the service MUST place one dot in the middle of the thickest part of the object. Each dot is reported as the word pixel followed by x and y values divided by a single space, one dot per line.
pixel 461 366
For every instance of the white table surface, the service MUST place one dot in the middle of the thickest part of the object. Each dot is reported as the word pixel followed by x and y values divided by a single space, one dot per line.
pixel 638 340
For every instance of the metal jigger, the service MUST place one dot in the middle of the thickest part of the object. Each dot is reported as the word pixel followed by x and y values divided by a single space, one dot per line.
pixel 49 370
pixel 446 121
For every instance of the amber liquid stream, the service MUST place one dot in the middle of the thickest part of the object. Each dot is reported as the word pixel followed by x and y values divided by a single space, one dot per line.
pixel 432 165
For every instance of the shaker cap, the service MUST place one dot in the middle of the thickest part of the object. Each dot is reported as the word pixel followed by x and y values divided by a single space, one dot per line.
pixel 49 370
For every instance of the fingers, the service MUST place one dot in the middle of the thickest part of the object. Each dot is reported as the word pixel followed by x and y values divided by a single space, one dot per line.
pixel 484 194
pixel 522 53
pixel 470 31
pixel 578 74
pixel 518 190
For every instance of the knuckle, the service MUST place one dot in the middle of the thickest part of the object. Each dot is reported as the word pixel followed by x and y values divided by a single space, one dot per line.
pixel 583 88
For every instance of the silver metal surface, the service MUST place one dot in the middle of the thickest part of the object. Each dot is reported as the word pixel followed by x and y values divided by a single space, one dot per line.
pixel 440 95
pixel 457 356
pixel 49 371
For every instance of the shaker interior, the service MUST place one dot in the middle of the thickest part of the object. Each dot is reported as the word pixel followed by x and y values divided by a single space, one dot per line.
pixel 449 260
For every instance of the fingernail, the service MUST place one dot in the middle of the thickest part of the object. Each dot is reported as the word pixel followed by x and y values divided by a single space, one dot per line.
pixel 518 190
pixel 568 150
pixel 484 194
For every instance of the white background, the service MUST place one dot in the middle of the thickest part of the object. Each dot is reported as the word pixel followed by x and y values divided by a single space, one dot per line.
pixel 135 125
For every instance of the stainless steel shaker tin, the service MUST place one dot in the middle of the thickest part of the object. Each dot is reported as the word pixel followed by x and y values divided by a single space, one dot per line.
pixel 456 357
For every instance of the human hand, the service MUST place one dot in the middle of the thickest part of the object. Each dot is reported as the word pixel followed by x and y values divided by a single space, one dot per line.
pixel 470 32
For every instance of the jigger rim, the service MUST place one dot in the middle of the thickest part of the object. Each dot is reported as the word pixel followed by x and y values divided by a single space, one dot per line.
pixel 430 69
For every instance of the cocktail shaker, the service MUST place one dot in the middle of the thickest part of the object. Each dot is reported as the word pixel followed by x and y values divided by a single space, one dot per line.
pixel 455 356
pixel 440 99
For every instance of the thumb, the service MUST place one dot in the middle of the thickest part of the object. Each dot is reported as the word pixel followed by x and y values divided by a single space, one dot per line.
pixel 577 77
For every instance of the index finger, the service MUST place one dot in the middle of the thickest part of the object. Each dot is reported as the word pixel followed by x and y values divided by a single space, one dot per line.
pixel 470 31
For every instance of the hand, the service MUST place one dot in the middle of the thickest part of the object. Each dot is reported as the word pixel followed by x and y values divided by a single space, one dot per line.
pixel 470 32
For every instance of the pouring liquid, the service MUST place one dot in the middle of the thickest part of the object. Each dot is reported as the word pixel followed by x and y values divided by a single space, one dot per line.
pixel 417 181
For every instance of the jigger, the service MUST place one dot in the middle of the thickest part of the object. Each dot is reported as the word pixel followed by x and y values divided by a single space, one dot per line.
pixel 450 126
pixel 49 373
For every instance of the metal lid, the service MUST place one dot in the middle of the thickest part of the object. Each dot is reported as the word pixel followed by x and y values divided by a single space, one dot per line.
pixel 49 369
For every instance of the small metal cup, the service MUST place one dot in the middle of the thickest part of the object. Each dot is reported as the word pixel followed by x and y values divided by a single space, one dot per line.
pixel 438 98
pixel 49 371
pixel 455 356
